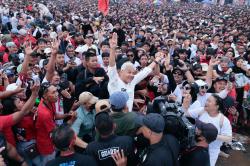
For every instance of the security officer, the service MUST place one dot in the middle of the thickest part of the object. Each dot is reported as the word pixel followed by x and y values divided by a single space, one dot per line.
pixel 109 143
pixel 158 153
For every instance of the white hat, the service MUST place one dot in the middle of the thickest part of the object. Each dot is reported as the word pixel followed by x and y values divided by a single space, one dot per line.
pixel 200 83
pixel 47 50
pixel 204 66
pixel 87 97
pixel 79 49
pixel 22 32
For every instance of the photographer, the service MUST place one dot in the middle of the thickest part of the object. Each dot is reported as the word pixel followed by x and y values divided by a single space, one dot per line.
pixel 198 155
pixel 159 152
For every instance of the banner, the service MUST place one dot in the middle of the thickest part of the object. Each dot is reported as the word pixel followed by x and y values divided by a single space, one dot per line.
pixel 103 6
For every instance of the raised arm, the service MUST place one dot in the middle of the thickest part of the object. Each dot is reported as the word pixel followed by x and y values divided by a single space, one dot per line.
pixel 52 60
pixel 28 51
pixel 17 116
pixel 113 45
pixel 9 93
pixel 209 76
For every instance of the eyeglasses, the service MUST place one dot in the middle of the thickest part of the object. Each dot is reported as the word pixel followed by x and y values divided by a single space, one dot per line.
pixel 130 55
pixel 187 87
pixel 204 87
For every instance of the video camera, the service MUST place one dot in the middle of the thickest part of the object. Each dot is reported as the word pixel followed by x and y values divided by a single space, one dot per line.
pixel 175 122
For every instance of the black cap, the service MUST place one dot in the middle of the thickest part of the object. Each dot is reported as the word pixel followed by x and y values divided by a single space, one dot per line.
pixel 208 130
pixel 153 121
pixel 220 79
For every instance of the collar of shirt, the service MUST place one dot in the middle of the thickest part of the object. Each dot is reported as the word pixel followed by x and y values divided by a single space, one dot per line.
pixel 157 145
pixel 85 112
pixel 117 114
pixel 101 139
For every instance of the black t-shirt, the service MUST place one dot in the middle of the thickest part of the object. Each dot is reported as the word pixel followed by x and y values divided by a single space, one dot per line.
pixel 73 160
pixel 197 156
pixel 102 149
pixel 158 154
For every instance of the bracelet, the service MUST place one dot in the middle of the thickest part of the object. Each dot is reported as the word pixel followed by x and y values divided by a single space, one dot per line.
pixel 156 62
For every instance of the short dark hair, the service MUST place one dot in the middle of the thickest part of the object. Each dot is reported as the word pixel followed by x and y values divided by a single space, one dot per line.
pixel 104 123
pixel 41 40
pixel 9 105
pixel 60 52
pixel 219 102
pixel 104 43
pixel 90 53
pixel 105 54
pixel 62 137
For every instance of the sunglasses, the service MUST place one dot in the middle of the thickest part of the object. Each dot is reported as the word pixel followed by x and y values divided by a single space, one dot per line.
pixel 204 87
pixel 130 55
pixel 177 73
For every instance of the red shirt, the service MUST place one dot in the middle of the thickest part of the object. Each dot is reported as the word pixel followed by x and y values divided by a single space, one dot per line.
pixel 9 135
pixel 27 124
pixel 45 124
pixel 6 122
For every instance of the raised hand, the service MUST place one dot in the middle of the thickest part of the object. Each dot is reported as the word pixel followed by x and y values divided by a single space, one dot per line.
pixel 35 88
pixel 119 158
pixel 113 41
pixel 55 46
pixel 28 49
pixel 214 62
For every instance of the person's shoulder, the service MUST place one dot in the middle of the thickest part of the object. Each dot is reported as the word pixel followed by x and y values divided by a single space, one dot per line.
pixel 87 159
pixel 124 139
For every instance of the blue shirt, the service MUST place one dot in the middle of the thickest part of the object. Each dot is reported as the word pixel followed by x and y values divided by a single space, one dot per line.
pixel 84 123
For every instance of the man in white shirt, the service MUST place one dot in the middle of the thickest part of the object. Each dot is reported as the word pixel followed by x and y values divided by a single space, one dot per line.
pixel 125 79
pixel 89 44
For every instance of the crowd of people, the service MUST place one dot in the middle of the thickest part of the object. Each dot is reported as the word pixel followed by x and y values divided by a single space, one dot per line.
pixel 81 88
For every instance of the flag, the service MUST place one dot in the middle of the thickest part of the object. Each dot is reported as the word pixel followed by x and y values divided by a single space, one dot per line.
pixel 103 6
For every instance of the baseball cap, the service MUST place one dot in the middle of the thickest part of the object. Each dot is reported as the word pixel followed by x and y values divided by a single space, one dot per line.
pixel 9 73
pixel 118 100
pixel 208 130
pixel 10 44
pixel 153 121
pixel 47 50
pixel 87 97
pixel 102 105
pixel 200 83
pixel 220 79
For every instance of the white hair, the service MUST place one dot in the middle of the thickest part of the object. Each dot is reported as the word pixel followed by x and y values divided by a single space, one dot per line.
pixel 127 65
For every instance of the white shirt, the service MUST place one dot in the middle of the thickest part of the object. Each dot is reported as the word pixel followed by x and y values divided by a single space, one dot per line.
pixel 85 48
pixel 203 99
pixel 116 84
pixel 76 60
pixel 224 129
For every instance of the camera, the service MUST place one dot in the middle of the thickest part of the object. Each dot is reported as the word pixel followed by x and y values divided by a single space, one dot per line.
pixel 175 122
